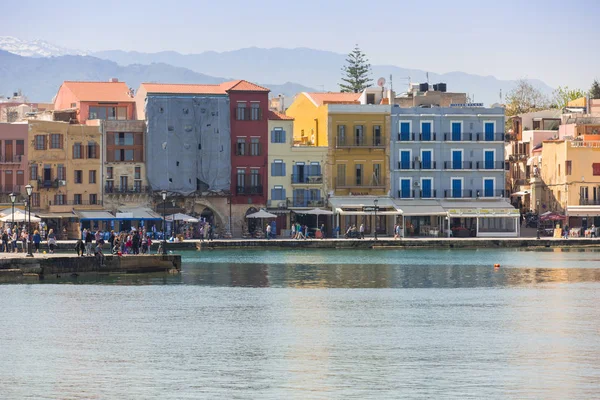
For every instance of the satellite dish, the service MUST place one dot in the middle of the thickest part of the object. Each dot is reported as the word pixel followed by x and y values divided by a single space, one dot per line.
pixel 381 82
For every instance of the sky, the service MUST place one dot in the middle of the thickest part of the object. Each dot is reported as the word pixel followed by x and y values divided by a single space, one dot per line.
pixel 555 41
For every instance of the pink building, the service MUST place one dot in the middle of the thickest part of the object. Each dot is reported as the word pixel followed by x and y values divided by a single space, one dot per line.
pixel 111 100
pixel 13 159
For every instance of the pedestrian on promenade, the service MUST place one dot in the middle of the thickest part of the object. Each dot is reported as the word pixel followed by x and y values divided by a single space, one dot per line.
pixel 362 231
pixel 135 243
pixel 305 231
pixel 36 240
pixel 79 248
pixel 89 237
pixel 5 241
pixel 99 255
pixel 111 239
pixel 24 238
pixel 202 233
pixel 210 232
pixel 268 231
pixel 566 232
pixel 293 231
pixel 14 238
pixel 51 241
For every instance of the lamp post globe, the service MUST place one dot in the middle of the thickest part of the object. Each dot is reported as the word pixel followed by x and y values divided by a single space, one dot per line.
pixel 163 194
pixel 375 202
pixel 29 190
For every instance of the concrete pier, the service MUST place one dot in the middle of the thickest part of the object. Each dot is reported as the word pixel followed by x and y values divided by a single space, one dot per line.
pixel 16 266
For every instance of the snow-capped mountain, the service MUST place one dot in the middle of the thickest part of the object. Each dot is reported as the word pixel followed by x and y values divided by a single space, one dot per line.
pixel 35 48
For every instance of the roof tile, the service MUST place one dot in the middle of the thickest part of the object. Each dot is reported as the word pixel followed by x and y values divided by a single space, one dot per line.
pixel 222 88
pixel 320 98
pixel 99 91
pixel 275 115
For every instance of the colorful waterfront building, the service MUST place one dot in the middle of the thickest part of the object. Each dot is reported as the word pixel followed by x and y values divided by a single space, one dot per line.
pixel 448 171
pixel 296 182
pixel 357 138
pixel 13 160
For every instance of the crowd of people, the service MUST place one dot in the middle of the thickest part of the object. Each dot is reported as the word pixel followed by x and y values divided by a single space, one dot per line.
pixel 11 238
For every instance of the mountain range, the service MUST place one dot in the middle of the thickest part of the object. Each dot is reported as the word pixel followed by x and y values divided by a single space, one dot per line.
pixel 284 71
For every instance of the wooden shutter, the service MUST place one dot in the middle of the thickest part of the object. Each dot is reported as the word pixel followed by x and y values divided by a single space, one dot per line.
pixel 110 155
pixel 73 155
pixel 110 139
pixel 45 142
pixel 20 177
pixel 137 155
pixel 138 139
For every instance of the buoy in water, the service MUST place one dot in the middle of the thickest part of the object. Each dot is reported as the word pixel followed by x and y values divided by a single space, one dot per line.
pixel 496 265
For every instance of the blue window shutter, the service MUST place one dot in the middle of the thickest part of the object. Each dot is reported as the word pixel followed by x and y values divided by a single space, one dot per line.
pixel 273 169
pixel 318 194
pixel 273 194
pixel 319 169
pixel 283 194
pixel 272 136
pixel 283 169
pixel 283 137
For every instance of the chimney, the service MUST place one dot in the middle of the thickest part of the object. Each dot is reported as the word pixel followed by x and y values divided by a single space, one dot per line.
pixel 114 80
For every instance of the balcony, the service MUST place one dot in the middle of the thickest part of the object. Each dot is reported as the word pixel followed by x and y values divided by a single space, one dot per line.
pixel 589 202
pixel 281 204
pixel 431 195
pixel 343 142
pixel 256 190
pixel 432 137
pixel 306 202
pixel 458 194
pixel 458 137
pixel 456 165
pixel 252 150
pixel 490 165
pixel 406 137
pixel 80 203
pixel 47 184
pixel 127 189
pixel 358 183
pixel 307 179
pixel 11 189
pixel 409 195
pixel 490 137
pixel 517 157
pixel 407 165
pixel 490 193
pixel 10 159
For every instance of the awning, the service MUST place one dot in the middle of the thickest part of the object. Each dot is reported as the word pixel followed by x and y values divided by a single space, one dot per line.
pixel 422 207
pixel 583 211
pixel 137 214
pixel 50 215
pixel 352 205
pixel 94 215
pixel 481 208
pixel 521 193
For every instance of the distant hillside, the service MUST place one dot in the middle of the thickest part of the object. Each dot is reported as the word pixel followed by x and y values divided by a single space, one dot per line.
pixel 314 68
pixel 40 78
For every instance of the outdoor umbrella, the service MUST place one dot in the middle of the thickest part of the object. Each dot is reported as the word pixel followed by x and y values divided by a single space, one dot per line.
pixel 317 212
pixel 20 217
pixel 262 214
pixel 550 216
pixel 181 217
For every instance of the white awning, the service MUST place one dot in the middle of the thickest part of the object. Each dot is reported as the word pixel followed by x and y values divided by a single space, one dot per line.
pixel 352 205
pixel 583 211
pixel 420 207
pixel 480 208
pixel 521 193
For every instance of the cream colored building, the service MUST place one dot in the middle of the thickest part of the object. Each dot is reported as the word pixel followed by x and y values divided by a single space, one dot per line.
pixel 295 171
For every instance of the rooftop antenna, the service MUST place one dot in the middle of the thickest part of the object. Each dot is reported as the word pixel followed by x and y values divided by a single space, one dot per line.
pixel 500 96
pixel 391 86
pixel 427 74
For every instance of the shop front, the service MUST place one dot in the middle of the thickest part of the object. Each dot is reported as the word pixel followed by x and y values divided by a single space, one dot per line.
pixel 488 219
pixel 425 218
pixel 374 213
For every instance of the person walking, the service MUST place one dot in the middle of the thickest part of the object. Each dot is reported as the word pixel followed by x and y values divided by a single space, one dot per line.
pixel 566 232
pixel 89 237
pixel 202 233
pixel 14 238
pixel 36 240
pixel 51 241
pixel 135 243
pixel 362 231
pixel 5 241
pixel 305 231
pixel 322 231
pixel 268 231
pixel 79 247
pixel 293 231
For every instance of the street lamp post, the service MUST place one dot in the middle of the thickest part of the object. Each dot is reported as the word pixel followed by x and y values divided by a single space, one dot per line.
pixel 29 190
pixel 13 197
pixel 375 202
pixel 538 220
pixel 164 197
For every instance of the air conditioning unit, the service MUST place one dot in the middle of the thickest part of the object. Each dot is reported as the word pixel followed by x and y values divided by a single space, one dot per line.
pixel 62 183
pixel 417 159
pixel 281 205
pixel 416 184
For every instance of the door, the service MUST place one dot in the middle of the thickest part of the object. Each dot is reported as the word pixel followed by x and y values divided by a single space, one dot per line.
pixel 456 188
pixel 404 131
pixel 405 188
pixel 426 131
pixel 300 199
pixel 359 174
pixel 300 172
pixel 123 183
pixel 47 173
pixel 489 131
pixel 488 188
pixel 8 150
pixel 488 156
pixel 8 180
pixel 456 159
pixel 404 159
pixel 426 159
pixel 456 131
pixel 426 188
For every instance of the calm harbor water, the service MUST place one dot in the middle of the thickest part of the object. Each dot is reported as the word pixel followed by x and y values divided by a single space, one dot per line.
pixel 307 324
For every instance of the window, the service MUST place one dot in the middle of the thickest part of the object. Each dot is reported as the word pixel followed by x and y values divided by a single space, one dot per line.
pixel 33 173
pixel 426 131
pixel 78 176
pixel 341 174
pixel 596 169
pixel 278 193
pixel 254 147
pixel 56 141
pixel 61 172
pixel 377 135
pixel 255 111
pixel 76 199
pixel 40 142
pixel 456 134
pixel 77 153
pixel 488 187
pixel 124 139
pixel 558 169
pixel 92 176
pixel 241 180
pixel 110 113
pixel 254 178
pixel 123 182
pixel 123 155
pixel 137 186
pixel 405 128
pixel 121 114
pixel 60 199
pixel 359 174
pixel 278 168
pixel 35 199
pixel 20 147
pixel 278 135
pixel 109 186
pixel 20 177
pixel 240 112
pixel 405 191
pixel 109 172
pixel 137 173
pixel 92 150
pixel 568 167
pixel 93 198
pixel 376 174
pixel 427 188
pixel 456 187
pixel 240 149
pixel 341 135
pixel 359 137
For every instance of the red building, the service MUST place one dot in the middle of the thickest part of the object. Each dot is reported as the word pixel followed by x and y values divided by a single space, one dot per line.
pixel 111 100
pixel 249 141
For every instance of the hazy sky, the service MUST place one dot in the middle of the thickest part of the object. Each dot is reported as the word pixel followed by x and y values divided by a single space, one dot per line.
pixel 555 41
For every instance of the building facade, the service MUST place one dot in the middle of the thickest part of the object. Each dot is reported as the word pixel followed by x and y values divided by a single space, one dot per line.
pixel 13 159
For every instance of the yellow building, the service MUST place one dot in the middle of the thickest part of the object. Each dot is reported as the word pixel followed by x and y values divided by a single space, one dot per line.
pixel 569 181
pixel 295 176
pixel 357 137
pixel 64 170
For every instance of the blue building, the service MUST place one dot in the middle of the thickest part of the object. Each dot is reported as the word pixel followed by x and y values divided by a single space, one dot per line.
pixel 447 167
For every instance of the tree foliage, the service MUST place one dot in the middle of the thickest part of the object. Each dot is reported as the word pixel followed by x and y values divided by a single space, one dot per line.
pixel 563 95
pixel 356 74
pixel 525 98
pixel 595 90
